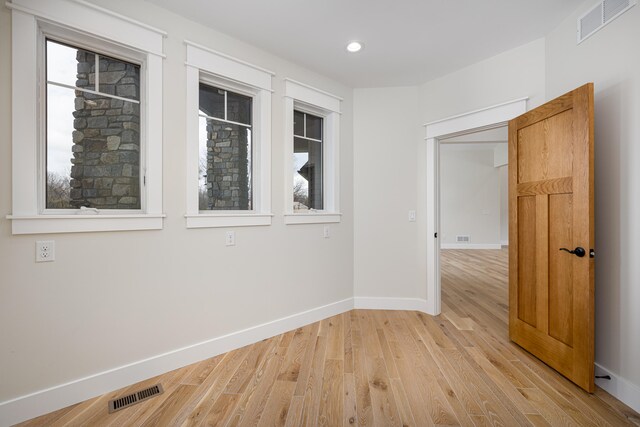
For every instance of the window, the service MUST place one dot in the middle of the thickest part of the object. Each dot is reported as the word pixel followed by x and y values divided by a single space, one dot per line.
pixel 86 157
pixel 311 154
pixel 93 130
pixel 229 141
pixel 225 150
pixel 307 162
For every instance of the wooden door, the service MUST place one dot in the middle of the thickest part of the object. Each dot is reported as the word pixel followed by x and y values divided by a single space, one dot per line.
pixel 550 208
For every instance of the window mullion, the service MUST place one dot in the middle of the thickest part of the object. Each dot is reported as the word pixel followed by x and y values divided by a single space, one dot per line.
pixel 96 73
pixel 224 121
pixel 106 95
pixel 225 106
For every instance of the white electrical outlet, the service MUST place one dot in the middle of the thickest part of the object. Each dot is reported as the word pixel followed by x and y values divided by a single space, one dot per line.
pixel 45 250
pixel 412 216
pixel 327 232
pixel 230 239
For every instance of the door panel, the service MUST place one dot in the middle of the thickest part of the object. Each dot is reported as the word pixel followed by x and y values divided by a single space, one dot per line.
pixel 560 271
pixel 545 149
pixel 551 207
pixel 527 260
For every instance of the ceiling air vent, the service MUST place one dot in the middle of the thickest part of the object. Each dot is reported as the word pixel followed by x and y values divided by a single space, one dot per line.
pixel 600 15
pixel 133 398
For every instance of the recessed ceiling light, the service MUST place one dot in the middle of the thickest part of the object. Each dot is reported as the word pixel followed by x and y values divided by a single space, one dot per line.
pixel 354 47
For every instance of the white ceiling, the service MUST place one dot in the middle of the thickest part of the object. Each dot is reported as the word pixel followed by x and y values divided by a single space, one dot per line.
pixel 407 42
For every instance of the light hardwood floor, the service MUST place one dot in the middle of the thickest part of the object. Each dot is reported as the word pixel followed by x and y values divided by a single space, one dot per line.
pixel 373 367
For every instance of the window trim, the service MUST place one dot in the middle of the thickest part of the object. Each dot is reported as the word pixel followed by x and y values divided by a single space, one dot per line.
pixel 305 98
pixel 210 67
pixel 80 24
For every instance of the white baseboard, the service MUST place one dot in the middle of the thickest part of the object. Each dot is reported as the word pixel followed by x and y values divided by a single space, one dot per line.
pixel 471 246
pixel 382 303
pixel 618 387
pixel 44 401
pixel 48 400
pixel 504 243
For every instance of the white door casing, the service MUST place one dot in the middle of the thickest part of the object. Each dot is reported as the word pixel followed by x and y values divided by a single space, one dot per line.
pixel 474 121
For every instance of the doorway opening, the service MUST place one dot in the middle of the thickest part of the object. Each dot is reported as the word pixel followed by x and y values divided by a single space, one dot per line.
pixel 474 228
pixel 486 119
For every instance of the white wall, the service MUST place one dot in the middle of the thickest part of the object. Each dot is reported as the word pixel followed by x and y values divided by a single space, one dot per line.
pixel 513 74
pixel 384 192
pixel 114 298
pixel 501 154
pixel 469 195
pixel 610 59
pixel 386 154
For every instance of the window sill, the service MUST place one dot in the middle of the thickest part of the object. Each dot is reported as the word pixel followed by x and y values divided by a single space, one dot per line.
pixel 312 218
pixel 42 224
pixel 228 220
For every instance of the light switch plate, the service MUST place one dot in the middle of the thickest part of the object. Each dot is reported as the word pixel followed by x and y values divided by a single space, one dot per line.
pixel 230 239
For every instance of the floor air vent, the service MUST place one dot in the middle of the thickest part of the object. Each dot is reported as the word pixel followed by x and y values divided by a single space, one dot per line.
pixel 133 398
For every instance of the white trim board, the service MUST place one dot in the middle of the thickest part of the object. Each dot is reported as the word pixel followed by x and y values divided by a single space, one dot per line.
pixel 390 303
pixel 626 392
pixel 48 400
pixel 470 246
pixel 44 401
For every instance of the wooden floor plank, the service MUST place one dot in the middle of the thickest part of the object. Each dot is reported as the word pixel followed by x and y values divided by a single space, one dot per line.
pixel 254 398
pixel 221 410
pixel 363 393
pixel 406 415
pixel 294 416
pixel 383 403
pixel 170 411
pixel 278 404
pixel 331 400
pixel 350 410
pixel 313 390
pixel 374 368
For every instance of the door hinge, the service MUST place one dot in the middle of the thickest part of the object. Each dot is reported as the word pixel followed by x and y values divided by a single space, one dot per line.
pixel 435 235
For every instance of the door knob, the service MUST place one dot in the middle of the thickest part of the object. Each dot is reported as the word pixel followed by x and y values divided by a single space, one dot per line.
pixel 579 251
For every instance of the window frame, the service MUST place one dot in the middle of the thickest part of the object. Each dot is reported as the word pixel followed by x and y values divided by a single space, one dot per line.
pixel 307 99
pixel 213 81
pixel 90 27
pixel 59 35
pixel 213 68
pixel 305 110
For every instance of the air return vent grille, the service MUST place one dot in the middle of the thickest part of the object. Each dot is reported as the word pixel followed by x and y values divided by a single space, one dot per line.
pixel 462 239
pixel 600 15
pixel 133 398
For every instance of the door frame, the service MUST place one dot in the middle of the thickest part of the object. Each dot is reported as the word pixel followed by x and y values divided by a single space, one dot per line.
pixel 462 124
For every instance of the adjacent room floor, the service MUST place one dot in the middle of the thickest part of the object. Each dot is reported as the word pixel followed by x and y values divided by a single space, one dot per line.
pixel 373 367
